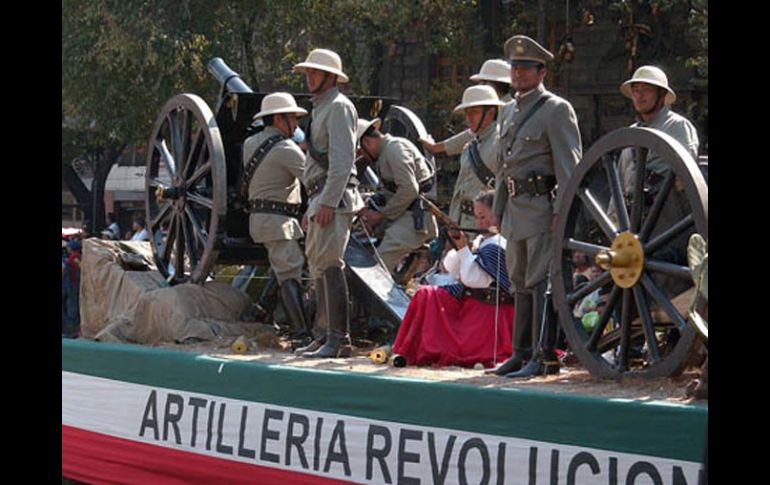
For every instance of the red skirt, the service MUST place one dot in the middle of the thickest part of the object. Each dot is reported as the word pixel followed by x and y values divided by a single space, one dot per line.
pixel 438 330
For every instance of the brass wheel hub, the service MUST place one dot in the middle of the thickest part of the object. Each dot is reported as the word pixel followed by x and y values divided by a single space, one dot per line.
pixel 624 260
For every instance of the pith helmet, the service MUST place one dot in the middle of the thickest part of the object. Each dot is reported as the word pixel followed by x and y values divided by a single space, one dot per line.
pixel 325 60
pixel 479 96
pixel 650 75
pixel 277 103
pixel 496 70
pixel 521 49
pixel 364 125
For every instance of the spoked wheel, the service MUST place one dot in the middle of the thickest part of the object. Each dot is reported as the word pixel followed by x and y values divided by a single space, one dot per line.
pixel 185 192
pixel 633 219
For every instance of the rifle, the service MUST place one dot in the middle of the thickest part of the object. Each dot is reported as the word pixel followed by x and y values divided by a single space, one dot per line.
pixel 446 220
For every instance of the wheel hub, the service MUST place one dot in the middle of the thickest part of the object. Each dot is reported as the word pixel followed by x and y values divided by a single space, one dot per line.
pixel 171 193
pixel 624 261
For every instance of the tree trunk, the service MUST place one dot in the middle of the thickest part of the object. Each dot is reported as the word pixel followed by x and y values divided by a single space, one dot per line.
pixel 104 162
pixel 79 190
pixel 541 22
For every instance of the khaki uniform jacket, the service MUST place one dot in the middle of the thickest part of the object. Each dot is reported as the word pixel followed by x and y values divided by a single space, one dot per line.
pixel 548 144
pixel 333 131
pixel 276 179
pixel 401 162
pixel 455 143
pixel 468 185
pixel 670 123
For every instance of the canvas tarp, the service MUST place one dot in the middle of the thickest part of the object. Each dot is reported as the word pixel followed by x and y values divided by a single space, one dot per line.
pixel 119 303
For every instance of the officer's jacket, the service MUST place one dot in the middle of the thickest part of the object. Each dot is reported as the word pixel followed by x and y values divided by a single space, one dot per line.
pixel 275 179
pixel 333 131
pixel 400 162
pixel 548 144
pixel 468 185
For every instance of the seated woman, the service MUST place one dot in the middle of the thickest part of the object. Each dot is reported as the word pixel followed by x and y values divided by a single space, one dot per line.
pixel 461 324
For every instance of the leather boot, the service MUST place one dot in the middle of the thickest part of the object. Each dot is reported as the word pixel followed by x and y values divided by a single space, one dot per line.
pixel 336 313
pixel 291 295
pixel 522 335
pixel 268 297
pixel 319 329
pixel 544 361
pixel 263 309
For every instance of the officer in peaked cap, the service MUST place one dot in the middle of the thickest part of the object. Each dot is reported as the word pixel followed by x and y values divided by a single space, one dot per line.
pixel 539 147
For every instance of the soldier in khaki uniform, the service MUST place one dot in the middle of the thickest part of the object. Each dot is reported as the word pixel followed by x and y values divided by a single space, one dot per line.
pixel 539 147
pixel 652 97
pixel 479 159
pixel 333 196
pixel 273 163
pixel 495 73
pixel 405 174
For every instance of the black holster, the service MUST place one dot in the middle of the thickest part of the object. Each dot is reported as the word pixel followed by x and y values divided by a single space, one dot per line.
pixel 418 214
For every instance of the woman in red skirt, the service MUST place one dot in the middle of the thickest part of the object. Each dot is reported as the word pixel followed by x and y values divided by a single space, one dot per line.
pixel 462 323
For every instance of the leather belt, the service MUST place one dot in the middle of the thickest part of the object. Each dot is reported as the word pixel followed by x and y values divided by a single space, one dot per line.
pixel 535 185
pixel 317 184
pixel 489 295
pixel 263 206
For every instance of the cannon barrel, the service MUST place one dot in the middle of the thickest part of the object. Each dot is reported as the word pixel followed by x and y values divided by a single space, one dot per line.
pixel 228 79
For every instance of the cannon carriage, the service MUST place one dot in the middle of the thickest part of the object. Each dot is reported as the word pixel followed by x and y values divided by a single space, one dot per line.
pixel 194 177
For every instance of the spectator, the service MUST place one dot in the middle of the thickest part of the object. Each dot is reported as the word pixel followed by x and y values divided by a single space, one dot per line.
pixel 140 230
pixel 72 287
pixel 64 285
pixel 113 226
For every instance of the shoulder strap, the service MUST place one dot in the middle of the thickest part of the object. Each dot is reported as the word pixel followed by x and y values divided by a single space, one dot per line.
pixel 479 167
pixel 539 104
pixel 259 154
pixel 321 158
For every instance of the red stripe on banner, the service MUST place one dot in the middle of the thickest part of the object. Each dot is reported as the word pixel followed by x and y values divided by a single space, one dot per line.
pixel 98 458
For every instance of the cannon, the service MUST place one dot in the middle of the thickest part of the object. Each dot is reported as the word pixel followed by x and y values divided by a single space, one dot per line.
pixel 640 244
pixel 193 179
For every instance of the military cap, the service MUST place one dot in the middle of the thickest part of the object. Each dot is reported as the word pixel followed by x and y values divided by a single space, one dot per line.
pixel 278 103
pixel 323 60
pixel 650 75
pixel 364 125
pixel 521 49
pixel 496 70
pixel 479 96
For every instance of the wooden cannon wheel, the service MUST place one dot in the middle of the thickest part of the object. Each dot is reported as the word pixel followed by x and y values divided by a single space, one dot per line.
pixel 639 241
pixel 185 192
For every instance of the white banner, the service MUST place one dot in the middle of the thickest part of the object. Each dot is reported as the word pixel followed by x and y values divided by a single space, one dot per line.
pixel 350 448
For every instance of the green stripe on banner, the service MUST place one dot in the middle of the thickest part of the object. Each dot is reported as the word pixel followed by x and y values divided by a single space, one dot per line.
pixel 652 428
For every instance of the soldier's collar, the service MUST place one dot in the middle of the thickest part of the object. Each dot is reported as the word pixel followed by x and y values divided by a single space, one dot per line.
pixel 331 93
pixel 659 116
pixel 524 98
pixel 486 132
pixel 272 130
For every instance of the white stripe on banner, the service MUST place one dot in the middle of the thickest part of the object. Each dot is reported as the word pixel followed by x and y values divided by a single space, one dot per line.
pixel 345 447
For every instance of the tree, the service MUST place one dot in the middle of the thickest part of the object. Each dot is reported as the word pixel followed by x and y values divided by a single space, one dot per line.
pixel 120 61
